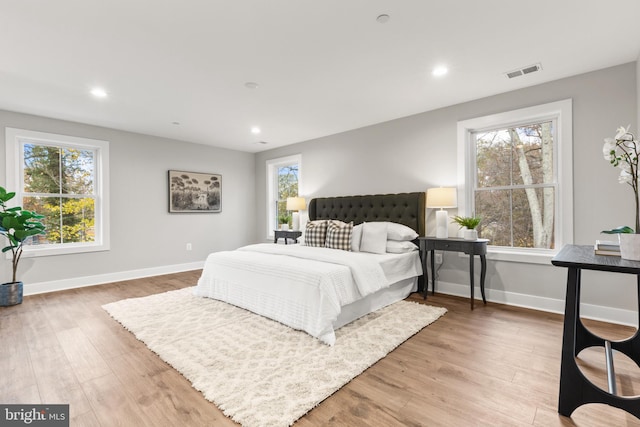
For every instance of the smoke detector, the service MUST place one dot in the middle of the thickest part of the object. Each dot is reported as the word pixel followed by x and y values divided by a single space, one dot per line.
pixel 524 70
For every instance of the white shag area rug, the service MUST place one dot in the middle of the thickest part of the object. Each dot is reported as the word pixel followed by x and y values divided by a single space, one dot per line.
pixel 258 371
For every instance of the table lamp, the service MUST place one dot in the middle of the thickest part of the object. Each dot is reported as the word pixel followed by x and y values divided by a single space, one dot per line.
pixel 296 204
pixel 442 197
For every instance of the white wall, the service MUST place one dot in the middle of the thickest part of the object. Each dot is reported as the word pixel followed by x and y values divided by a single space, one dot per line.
pixel 145 238
pixel 418 152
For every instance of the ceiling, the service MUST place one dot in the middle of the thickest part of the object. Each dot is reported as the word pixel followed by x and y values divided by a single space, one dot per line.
pixel 177 69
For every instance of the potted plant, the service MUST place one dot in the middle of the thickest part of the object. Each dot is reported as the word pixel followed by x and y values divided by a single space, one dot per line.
pixel 284 221
pixel 469 223
pixel 17 225
pixel 622 152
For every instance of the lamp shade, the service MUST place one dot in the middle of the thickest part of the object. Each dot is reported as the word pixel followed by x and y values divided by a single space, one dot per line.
pixel 296 204
pixel 442 197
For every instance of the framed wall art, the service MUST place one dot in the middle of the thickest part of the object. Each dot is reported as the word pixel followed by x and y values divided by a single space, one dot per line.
pixel 195 192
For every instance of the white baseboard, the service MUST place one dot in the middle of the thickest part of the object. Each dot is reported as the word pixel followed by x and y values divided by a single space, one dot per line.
pixel 588 311
pixel 80 282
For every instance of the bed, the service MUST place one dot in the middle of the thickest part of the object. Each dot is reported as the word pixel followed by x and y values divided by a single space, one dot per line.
pixel 317 289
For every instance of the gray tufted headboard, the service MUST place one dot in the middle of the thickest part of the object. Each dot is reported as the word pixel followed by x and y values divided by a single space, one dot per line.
pixel 403 208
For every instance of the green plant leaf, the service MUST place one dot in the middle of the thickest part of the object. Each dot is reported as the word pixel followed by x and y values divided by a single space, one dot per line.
pixel 623 229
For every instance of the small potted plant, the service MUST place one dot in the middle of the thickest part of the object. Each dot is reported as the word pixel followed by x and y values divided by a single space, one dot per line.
pixel 284 221
pixel 17 225
pixel 469 223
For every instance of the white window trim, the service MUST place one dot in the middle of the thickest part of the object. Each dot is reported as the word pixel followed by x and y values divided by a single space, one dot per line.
pixel 561 111
pixel 272 185
pixel 13 161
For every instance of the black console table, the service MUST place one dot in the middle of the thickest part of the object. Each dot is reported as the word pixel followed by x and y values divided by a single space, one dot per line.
pixel 453 244
pixel 575 388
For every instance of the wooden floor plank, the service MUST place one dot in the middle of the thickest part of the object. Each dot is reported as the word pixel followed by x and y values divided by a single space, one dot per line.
pixel 112 404
pixel 493 366
pixel 86 361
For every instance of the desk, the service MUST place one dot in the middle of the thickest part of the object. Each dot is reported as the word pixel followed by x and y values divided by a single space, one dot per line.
pixel 575 388
pixel 286 235
pixel 454 244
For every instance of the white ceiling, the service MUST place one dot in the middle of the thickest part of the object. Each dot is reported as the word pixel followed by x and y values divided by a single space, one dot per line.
pixel 323 66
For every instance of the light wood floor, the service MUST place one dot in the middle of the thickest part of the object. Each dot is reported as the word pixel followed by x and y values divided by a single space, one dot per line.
pixel 494 366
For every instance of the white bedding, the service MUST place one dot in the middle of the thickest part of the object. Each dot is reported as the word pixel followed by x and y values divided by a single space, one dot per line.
pixel 300 286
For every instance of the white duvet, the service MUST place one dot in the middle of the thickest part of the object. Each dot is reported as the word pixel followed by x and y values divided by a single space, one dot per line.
pixel 300 286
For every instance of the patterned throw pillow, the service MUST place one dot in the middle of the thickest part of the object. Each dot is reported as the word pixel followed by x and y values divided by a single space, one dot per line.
pixel 315 233
pixel 339 235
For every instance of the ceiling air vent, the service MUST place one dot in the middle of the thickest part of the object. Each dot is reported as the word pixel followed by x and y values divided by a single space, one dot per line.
pixel 525 70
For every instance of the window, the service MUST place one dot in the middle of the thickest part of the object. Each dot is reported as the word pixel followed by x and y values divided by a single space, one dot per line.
pixel 283 180
pixel 65 179
pixel 516 174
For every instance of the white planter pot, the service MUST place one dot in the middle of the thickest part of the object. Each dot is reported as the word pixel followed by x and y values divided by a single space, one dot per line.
pixel 630 246
pixel 284 227
pixel 471 234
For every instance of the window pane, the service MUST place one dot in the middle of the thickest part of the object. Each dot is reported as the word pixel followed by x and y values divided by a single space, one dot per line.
pixel 66 220
pixel 533 148
pixel 494 207
pixel 282 215
pixel 78 220
pixel 494 155
pixel 41 169
pixel 50 208
pixel 287 181
pixel 520 155
pixel 521 218
pixel 77 171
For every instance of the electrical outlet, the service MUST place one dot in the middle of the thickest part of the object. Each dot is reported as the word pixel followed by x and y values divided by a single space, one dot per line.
pixel 188 246
pixel 438 258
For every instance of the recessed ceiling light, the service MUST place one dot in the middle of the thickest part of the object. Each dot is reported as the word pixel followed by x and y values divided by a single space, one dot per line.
pixel 251 85
pixel 440 71
pixel 383 19
pixel 255 130
pixel 98 92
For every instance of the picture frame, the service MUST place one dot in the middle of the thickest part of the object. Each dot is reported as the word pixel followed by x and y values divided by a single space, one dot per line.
pixel 194 192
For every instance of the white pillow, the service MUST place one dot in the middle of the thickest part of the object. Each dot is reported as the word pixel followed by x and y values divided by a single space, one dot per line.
pixel 396 247
pixel 400 232
pixel 356 237
pixel 374 237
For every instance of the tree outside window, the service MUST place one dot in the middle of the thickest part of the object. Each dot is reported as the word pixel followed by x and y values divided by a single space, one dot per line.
pixel 58 182
pixel 516 185
pixel 283 180
pixel 287 187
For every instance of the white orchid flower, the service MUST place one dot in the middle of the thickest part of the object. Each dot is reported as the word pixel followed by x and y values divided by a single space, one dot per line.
pixel 625 177
pixel 623 134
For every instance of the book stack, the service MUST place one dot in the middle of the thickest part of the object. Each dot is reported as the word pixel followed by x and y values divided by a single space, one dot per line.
pixel 604 247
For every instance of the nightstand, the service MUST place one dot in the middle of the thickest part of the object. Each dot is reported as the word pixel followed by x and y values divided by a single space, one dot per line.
pixel 286 235
pixel 453 244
